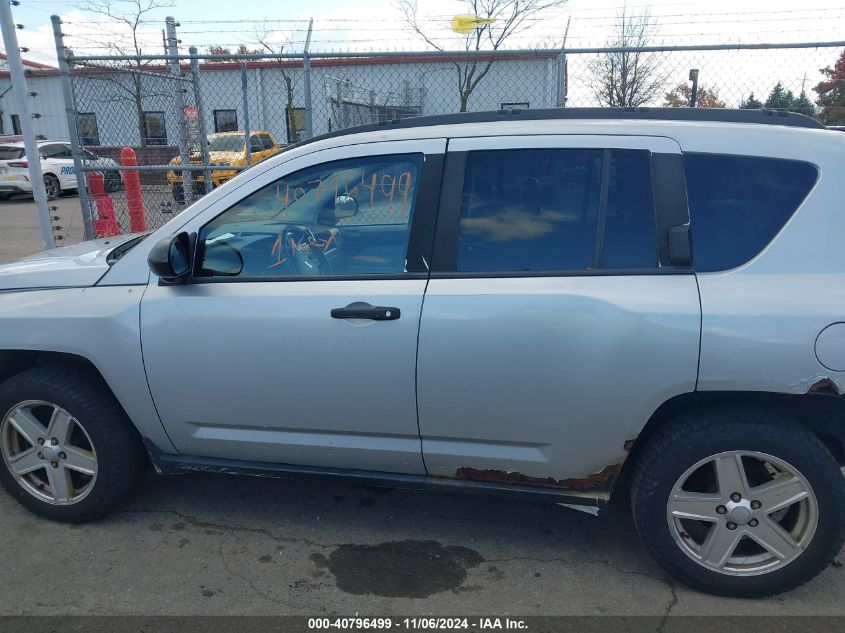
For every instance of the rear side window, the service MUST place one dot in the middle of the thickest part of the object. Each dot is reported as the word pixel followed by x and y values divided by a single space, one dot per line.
pixel 739 203
pixel 544 210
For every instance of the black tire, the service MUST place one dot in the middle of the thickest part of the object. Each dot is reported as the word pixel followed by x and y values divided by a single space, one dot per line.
pixel 178 194
pixel 695 436
pixel 52 186
pixel 80 391
pixel 5 196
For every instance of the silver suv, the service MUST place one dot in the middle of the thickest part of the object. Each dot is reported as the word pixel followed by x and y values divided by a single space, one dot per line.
pixel 567 305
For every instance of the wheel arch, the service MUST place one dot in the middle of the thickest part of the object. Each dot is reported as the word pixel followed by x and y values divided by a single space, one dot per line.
pixel 822 412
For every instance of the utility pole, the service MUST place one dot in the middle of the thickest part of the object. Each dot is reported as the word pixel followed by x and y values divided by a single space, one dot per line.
pixel 63 54
pixel 693 77
pixel 33 158
pixel 179 106
pixel 562 76
pixel 306 73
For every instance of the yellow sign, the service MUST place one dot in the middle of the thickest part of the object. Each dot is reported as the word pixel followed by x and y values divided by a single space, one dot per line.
pixel 465 24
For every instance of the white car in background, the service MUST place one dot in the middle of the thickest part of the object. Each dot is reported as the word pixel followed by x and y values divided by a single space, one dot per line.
pixel 56 167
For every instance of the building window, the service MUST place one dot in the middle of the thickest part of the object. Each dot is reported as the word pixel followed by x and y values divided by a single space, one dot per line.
pixel 16 124
pixel 296 124
pixel 225 120
pixel 155 130
pixel 515 105
pixel 86 125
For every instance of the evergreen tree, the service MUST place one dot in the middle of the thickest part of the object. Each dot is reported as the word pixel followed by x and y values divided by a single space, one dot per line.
pixel 780 98
pixel 751 103
pixel 803 105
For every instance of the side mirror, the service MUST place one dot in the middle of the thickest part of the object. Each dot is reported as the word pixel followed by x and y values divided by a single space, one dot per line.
pixel 170 259
pixel 345 206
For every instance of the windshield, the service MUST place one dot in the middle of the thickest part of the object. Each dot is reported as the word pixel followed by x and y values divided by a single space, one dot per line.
pixel 10 152
pixel 227 143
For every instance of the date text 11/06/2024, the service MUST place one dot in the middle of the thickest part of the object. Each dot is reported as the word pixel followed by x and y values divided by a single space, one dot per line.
pixel 421 624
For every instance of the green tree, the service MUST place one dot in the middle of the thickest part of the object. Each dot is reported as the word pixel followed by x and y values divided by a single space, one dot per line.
pixel 831 93
pixel 803 105
pixel 780 98
pixel 751 103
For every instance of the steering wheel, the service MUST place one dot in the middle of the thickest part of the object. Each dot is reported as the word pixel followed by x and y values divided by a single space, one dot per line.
pixel 302 250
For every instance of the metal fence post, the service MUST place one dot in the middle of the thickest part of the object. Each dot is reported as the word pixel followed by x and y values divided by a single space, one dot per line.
pixel 245 91
pixel 13 53
pixel 306 76
pixel 195 78
pixel 179 106
pixel 70 113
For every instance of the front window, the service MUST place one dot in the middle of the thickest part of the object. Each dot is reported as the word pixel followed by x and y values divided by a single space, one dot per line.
pixel 348 217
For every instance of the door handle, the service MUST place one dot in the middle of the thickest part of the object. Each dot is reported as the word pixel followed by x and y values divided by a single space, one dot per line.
pixel 360 310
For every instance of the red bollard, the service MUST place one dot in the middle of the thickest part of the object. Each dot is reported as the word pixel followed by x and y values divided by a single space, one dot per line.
pixel 106 224
pixel 132 185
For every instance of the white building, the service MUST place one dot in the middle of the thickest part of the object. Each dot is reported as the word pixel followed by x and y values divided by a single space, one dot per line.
pixel 345 92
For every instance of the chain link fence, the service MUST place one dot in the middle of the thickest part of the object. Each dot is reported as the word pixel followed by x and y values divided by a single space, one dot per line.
pixel 194 121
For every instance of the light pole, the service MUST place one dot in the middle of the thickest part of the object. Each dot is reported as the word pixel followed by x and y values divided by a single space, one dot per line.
pixel 13 57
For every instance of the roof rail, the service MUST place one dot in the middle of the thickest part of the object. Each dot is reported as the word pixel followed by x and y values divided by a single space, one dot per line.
pixel 720 115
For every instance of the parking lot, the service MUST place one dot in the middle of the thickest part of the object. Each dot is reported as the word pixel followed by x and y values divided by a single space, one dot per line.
pixel 213 544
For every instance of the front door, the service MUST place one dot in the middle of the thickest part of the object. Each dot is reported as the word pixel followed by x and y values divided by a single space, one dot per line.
pixel 554 324
pixel 296 340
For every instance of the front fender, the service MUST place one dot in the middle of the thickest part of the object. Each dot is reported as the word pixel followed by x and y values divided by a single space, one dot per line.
pixel 100 324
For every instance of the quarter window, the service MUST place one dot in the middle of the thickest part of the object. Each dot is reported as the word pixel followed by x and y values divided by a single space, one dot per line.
pixel 739 203
pixel 348 217
pixel 544 210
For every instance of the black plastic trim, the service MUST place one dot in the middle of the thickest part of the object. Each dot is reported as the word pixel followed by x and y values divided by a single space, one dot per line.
pixel 670 198
pixel 583 272
pixel 445 255
pixel 166 464
pixel 423 220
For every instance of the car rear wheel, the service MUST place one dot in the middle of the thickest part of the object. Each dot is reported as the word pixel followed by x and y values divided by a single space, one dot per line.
pixel 69 452
pixel 52 186
pixel 739 502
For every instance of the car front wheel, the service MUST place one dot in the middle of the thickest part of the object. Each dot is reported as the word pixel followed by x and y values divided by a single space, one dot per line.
pixel 69 452
pixel 739 502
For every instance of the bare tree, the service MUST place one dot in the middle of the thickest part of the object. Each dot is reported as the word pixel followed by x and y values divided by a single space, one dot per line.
pixel 264 37
pixel 133 15
pixel 626 78
pixel 510 17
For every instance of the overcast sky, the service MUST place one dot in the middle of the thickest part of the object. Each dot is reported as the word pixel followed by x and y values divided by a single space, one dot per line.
pixel 378 24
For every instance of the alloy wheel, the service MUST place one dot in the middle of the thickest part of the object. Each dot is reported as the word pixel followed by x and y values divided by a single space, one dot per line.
pixel 742 513
pixel 48 452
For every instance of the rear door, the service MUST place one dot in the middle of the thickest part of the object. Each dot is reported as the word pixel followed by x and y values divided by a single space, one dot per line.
pixel 554 324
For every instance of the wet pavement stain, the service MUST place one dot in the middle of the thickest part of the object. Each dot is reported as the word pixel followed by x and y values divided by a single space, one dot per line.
pixel 399 569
